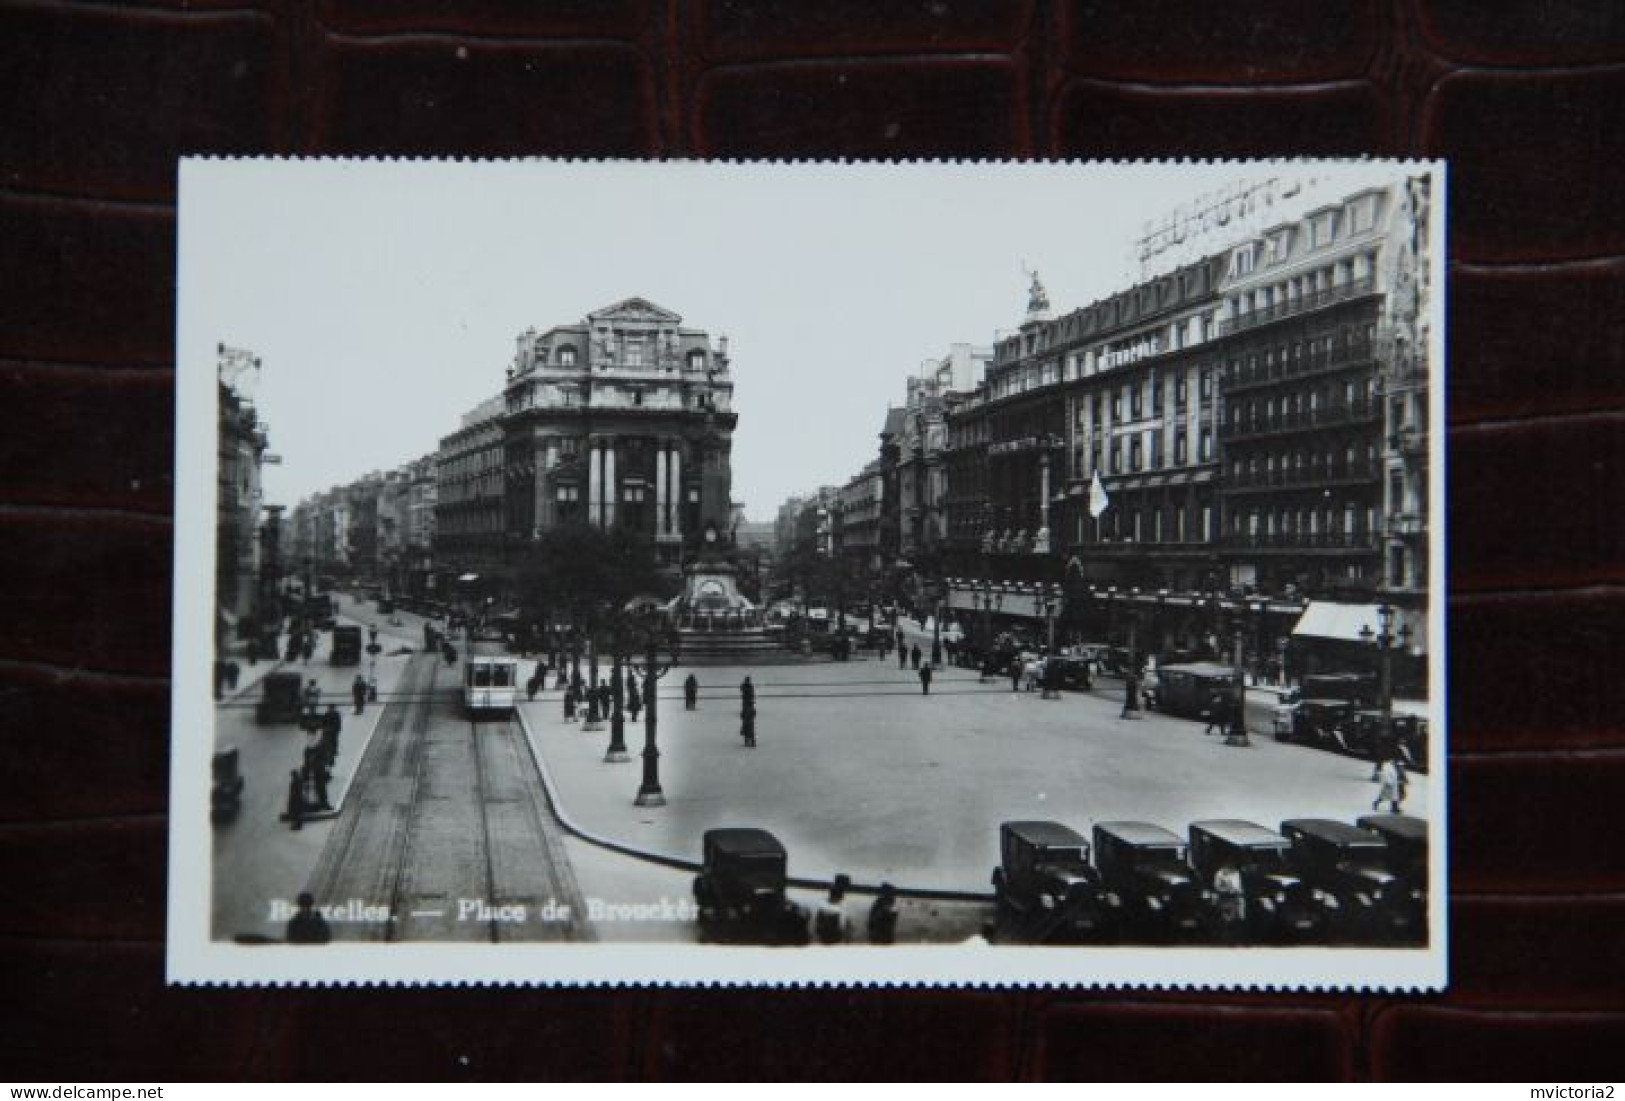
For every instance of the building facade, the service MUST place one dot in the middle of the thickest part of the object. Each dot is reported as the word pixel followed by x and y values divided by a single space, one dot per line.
pixel 1325 473
pixel 623 420
pixel 469 497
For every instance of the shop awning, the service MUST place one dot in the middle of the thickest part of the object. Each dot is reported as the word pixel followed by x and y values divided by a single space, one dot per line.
pixel 1324 619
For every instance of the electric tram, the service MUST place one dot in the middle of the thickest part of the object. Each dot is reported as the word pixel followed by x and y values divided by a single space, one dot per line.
pixel 490 684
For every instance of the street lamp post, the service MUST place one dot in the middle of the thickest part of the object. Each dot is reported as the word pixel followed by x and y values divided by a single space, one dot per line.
pixel 595 718
pixel 1386 639
pixel 616 753
pixel 936 636
pixel 1237 734
pixel 1050 602
pixel 649 792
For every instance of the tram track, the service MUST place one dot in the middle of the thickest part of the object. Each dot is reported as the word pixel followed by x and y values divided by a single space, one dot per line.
pixel 448 831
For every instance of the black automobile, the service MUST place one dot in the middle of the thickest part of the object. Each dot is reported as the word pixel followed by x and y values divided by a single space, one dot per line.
pixel 1406 838
pixel 1071 672
pixel 226 788
pixel 1347 869
pixel 280 698
pixel 740 890
pixel 1273 904
pixel 1046 889
pixel 1144 871
pixel 1318 721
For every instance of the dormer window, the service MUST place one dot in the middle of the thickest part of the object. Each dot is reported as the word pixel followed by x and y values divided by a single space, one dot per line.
pixel 1362 214
pixel 567 356
pixel 1244 260
pixel 696 360
pixel 1322 228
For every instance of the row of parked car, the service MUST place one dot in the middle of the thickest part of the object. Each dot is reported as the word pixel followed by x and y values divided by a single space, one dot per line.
pixel 1315 881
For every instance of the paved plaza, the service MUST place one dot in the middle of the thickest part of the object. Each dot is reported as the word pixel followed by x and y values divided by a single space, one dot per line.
pixel 857 772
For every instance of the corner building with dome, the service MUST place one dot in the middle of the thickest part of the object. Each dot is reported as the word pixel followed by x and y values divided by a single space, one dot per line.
pixel 623 420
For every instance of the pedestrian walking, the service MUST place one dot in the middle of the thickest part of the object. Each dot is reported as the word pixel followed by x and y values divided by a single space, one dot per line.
pixel 634 698
pixel 308 926
pixel 1391 786
pixel 1215 714
pixel 902 657
pixel 830 924
pixel 332 724
pixel 1015 675
pixel 747 713
pixel 317 775
pixel 358 693
pixel 925 679
pixel 570 703
pixel 691 693
pixel 308 651
pixel 914 657
pixel 883 916
pixel 1131 695
pixel 295 812
pixel 532 685
pixel 313 697
pixel 233 671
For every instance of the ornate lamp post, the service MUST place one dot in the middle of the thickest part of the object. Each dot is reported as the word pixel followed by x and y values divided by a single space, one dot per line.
pixel 1386 639
pixel 595 719
pixel 988 600
pixel 1237 734
pixel 1049 602
pixel 616 752
pixel 649 792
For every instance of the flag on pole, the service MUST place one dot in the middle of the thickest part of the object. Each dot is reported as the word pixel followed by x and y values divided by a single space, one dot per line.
pixel 1097 497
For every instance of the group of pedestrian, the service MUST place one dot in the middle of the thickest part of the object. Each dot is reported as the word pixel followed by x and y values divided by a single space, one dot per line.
pixel 831 925
pixel 307 784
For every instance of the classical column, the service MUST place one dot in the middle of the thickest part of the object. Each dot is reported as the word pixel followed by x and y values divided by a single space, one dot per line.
pixel 594 482
pixel 612 491
pixel 660 489
pixel 677 489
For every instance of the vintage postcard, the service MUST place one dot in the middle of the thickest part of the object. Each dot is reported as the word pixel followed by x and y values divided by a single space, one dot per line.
pixel 634 572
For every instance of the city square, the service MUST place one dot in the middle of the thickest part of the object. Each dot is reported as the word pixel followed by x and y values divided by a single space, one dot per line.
pixel 1121 634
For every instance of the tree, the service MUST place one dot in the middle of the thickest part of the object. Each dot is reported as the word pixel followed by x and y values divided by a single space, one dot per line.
pixel 577 570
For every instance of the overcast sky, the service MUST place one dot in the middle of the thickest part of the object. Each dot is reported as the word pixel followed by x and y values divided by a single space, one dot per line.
pixel 384 299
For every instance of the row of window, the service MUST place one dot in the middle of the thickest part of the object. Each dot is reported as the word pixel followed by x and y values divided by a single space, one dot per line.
pixel 1321 229
pixel 1306 290
pixel 632 352
pixel 1141 451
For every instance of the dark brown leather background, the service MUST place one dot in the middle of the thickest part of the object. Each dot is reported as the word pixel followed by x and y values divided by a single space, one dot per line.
pixel 1527 101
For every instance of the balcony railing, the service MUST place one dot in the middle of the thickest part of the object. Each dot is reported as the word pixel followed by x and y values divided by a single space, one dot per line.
pixel 1301 540
pixel 1312 476
pixel 1291 307
pixel 1407 524
pixel 1327 416
pixel 1409 441
pixel 1303 366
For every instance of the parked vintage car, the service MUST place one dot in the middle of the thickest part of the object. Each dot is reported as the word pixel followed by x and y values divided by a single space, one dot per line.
pixel 741 890
pixel 1143 867
pixel 1317 721
pixel 1349 865
pixel 226 788
pixel 280 700
pixel 1409 737
pixel 1275 905
pixel 1046 889
pixel 1357 689
pixel 1188 689
pixel 1406 837
pixel 1071 673
pixel 346 645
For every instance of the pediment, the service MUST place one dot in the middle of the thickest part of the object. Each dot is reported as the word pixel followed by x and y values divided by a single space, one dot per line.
pixel 635 309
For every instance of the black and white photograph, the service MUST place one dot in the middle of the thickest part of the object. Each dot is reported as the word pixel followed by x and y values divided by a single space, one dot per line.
pixel 754 573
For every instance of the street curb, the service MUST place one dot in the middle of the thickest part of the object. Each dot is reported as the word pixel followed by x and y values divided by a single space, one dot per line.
pixel 681 864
